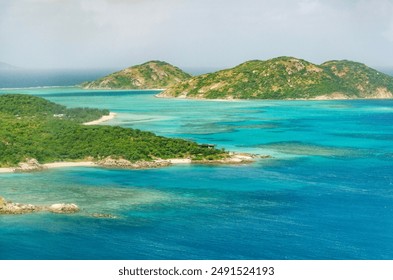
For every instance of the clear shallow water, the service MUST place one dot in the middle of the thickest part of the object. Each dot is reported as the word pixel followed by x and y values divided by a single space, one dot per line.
pixel 326 194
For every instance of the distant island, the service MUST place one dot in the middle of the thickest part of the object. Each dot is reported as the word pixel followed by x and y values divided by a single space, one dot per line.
pixel 150 75
pixel 36 134
pixel 287 78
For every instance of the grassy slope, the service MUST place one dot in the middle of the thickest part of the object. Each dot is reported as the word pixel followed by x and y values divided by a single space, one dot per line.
pixel 150 75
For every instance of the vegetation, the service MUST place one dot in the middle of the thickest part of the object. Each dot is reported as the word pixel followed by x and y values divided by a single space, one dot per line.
pixel 29 129
pixel 20 105
pixel 287 78
pixel 150 75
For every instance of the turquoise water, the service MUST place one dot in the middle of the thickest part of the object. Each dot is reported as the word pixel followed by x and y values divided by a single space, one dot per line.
pixel 327 193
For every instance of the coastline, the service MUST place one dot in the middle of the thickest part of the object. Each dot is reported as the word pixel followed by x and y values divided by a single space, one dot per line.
pixel 7 170
pixel 316 98
pixel 120 89
pixel 68 164
pixel 51 165
pixel 202 99
pixel 32 165
pixel 102 119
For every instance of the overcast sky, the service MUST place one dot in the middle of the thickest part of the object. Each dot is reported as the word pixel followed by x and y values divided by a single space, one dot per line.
pixel 192 33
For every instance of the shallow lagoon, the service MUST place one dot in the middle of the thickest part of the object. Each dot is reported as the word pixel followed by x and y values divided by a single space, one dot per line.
pixel 327 193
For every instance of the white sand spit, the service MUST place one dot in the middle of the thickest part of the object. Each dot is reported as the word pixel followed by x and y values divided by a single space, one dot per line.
pixel 102 119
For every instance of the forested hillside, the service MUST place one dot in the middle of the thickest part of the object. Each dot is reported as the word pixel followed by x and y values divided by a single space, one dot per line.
pixel 32 127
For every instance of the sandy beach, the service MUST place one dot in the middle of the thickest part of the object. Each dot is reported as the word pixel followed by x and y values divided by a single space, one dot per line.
pixel 102 119
pixel 69 164
pixel 6 170
pixel 122 163
pixel 179 160
pixel 50 166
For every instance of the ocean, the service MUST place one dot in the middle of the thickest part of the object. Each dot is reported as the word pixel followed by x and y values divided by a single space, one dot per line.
pixel 325 193
pixel 22 78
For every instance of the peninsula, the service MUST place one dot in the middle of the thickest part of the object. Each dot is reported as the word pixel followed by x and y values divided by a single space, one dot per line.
pixel 287 78
pixel 150 75
pixel 38 134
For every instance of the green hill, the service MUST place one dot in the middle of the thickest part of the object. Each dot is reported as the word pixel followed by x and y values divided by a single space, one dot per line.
pixel 150 75
pixel 287 78
pixel 32 127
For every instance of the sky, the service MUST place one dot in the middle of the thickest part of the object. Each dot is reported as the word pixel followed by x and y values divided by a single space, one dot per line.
pixel 192 33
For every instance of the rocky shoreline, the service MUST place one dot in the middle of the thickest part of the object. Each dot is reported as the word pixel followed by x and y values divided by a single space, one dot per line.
pixel 378 95
pixel 12 208
pixel 235 158
pixel 29 165
pixel 32 165
pixel 123 163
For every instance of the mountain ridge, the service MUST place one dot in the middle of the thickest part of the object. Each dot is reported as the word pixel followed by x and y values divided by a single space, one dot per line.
pixel 287 78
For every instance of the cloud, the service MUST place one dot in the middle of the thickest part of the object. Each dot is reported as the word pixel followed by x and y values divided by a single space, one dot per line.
pixel 307 7
pixel 117 33
pixel 78 32
pixel 388 33
pixel 377 16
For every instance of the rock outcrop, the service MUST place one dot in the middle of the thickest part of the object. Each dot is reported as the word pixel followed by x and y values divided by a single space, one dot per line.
pixel 62 208
pixel 29 165
pixel 9 207
pixel 123 163
pixel 233 158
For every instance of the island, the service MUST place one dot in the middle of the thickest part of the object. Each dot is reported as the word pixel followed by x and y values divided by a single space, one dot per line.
pixel 287 78
pixel 150 75
pixel 37 134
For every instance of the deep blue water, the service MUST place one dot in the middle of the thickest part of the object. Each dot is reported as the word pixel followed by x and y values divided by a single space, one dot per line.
pixel 327 193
